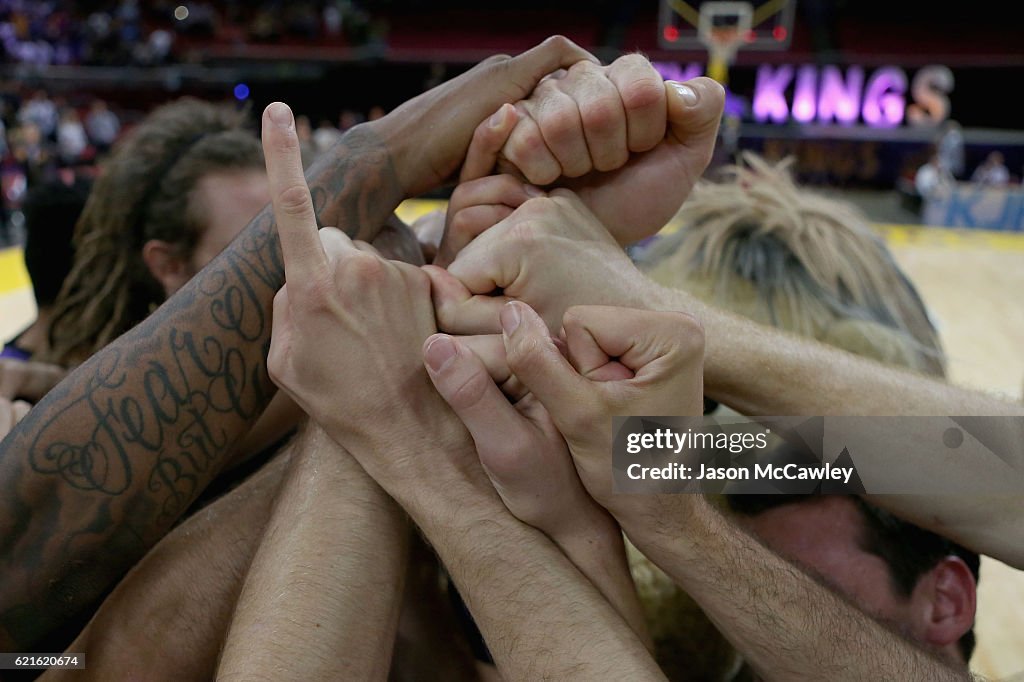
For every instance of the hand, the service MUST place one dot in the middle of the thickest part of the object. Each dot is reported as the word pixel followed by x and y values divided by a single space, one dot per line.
pixel 592 120
pixel 529 464
pixel 550 253
pixel 658 357
pixel 30 380
pixel 348 326
pixel 10 414
pixel 520 449
pixel 477 205
pixel 427 137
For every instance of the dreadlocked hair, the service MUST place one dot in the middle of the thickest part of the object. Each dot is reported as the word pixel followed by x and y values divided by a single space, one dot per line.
pixel 761 246
pixel 144 192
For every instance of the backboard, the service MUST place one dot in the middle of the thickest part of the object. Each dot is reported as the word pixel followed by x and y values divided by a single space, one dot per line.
pixel 690 24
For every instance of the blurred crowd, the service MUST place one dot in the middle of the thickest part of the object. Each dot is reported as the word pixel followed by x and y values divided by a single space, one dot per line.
pixel 153 33
pixel 47 138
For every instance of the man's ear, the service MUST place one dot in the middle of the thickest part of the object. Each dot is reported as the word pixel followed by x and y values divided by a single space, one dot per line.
pixel 167 267
pixel 943 604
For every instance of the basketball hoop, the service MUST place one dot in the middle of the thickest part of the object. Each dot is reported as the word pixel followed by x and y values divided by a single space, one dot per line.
pixel 723 44
pixel 722 28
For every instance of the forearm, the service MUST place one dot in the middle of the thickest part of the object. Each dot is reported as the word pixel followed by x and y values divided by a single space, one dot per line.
pixel 322 597
pixel 170 614
pixel 103 466
pixel 540 617
pixel 595 547
pixel 760 370
pixel 763 371
pixel 784 623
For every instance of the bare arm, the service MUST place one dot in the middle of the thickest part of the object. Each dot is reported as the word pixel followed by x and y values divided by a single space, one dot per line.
pixel 167 619
pixel 110 458
pixel 322 596
pixel 785 624
pixel 759 370
pixel 102 467
pixel 527 460
pixel 763 371
pixel 756 369
pixel 541 618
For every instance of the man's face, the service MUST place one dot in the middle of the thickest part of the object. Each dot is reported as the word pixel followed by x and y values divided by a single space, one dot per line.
pixel 823 536
pixel 228 200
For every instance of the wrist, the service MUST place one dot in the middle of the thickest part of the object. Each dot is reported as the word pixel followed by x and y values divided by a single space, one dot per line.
pixel 678 523
pixel 357 183
pixel 395 140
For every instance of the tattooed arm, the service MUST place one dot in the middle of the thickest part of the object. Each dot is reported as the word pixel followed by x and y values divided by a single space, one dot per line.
pixel 102 467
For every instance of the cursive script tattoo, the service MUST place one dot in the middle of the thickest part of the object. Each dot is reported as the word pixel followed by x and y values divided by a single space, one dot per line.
pixel 103 466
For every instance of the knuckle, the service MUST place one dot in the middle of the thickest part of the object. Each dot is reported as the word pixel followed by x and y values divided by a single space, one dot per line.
pixel 294 200
pixel 470 391
pixel 642 93
pixel 498 61
pixel 559 43
pixel 365 268
pixel 462 224
pixel 558 123
pixel 601 115
pixel 314 292
pixel 522 357
pixel 527 144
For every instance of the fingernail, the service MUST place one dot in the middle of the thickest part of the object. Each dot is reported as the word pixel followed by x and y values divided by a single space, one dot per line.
pixel 686 93
pixel 280 115
pixel 510 318
pixel 534 191
pixel 440 353
pixel 496 118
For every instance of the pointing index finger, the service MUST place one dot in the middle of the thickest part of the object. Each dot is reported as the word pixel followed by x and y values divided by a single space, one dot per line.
pixel 293 205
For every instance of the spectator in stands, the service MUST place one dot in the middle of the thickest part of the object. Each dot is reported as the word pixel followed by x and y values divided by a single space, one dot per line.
pixel 40 111
pixel 325 136
pixel 71 138
pixel 950 148
pixel 102 125
pixel 992 171
pixel 933 179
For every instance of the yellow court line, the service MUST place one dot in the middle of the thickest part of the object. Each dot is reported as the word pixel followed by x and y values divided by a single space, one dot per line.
pixel 13 275
pixel 951 238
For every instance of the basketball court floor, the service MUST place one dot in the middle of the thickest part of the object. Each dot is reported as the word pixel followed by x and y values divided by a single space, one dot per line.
pixel 973 283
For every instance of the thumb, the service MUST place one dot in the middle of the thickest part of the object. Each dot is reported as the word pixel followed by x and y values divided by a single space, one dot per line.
pixel 657 355
pixel 488 139
pixel 535 359
pixel 695 109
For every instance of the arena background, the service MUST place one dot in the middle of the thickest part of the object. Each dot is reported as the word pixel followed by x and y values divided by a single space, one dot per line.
pixel 342 62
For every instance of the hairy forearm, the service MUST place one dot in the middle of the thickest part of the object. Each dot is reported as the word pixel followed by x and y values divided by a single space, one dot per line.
pixel 541 618
pixel 784 623
pixel 168 617
pixel 103 466
pixel 760 370
pixel 595 547
pixel 322 596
